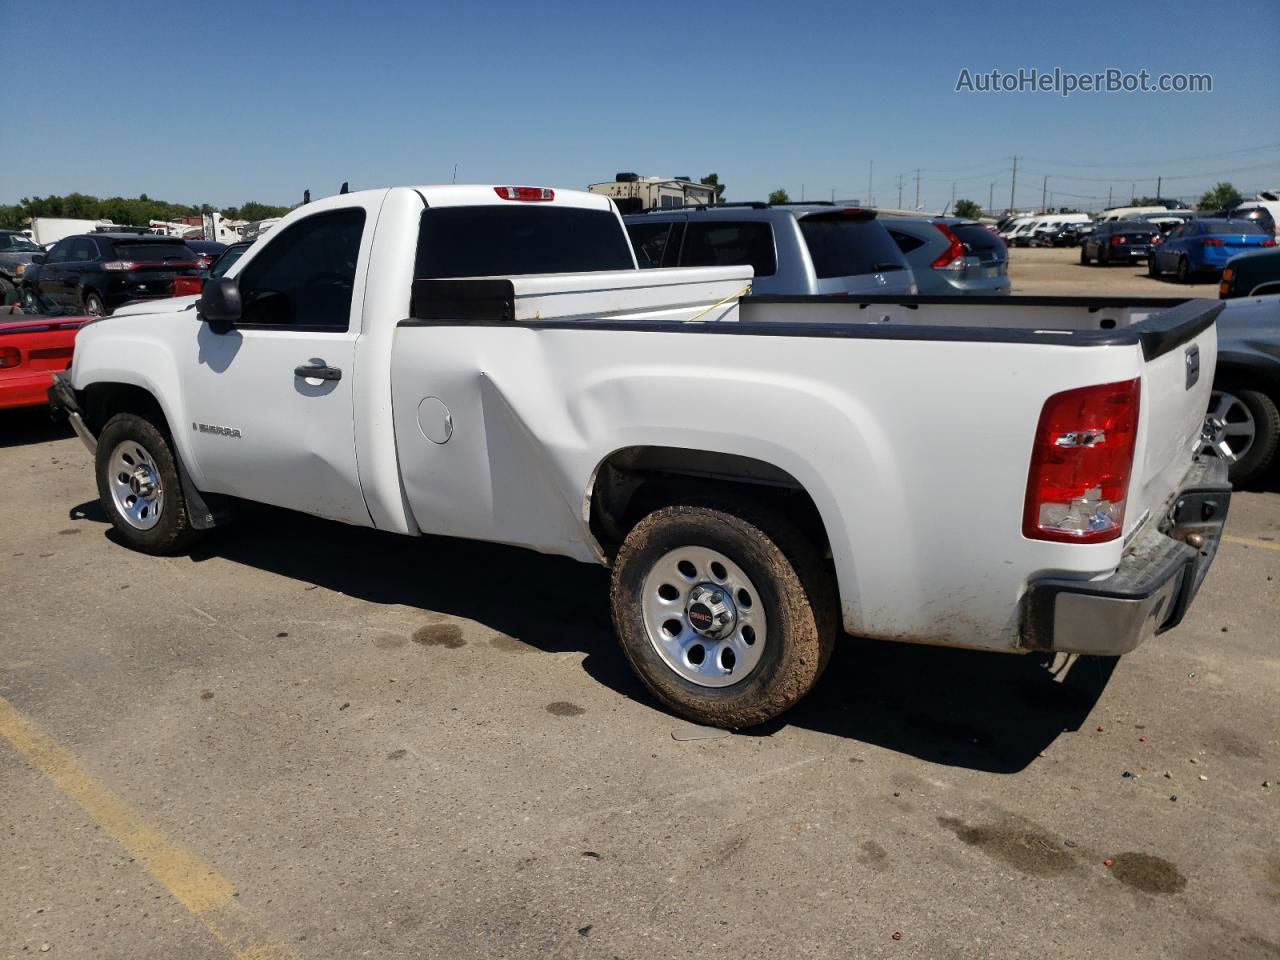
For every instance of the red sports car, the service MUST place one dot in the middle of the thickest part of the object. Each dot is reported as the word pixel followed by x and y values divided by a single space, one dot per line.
pixel 33 347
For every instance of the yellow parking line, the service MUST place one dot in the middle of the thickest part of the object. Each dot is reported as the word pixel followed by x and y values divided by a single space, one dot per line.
pixel 1250 542
pixel 194 883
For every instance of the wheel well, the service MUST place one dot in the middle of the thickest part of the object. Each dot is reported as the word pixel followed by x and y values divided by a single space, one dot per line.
pixel 1246 378
pixel 635 481
pixel 102 401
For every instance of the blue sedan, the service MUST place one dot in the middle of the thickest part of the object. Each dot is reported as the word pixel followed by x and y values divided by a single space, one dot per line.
pixel 1205 246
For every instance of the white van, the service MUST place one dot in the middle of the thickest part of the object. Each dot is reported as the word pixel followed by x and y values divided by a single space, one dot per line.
pixel 1047 223
pixel 1128 213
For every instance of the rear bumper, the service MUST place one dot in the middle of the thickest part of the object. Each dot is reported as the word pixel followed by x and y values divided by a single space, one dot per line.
pixel 28 390
pixel 1151 590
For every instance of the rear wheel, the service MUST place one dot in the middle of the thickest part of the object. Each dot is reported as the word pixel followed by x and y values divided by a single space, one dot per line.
pixel 724 611
pixel 1184 270
pixel 1243 428
pixel 139 488
pixel 1153 271
pixel 1084 256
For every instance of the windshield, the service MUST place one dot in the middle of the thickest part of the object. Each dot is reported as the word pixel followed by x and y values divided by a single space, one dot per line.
pixel 17 243
pixel 227 261
pixel 848 246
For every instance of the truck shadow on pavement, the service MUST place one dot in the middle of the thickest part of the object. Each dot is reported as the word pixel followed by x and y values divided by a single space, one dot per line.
pixel 982 711
pixel 34 425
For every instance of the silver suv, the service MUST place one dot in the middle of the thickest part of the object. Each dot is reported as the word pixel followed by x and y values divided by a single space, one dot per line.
pixel 811 248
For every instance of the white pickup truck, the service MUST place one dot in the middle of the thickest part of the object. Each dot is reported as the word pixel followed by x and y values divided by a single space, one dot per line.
pixel 1012 474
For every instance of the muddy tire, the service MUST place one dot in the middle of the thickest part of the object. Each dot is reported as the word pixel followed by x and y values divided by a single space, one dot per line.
pixel 139 488
pixel 724 610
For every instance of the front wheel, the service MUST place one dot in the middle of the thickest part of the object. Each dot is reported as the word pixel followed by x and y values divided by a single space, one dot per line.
pixel 1152 270
pixel 30 302
pixel 725 611
pixel 1084 256
pixel 139 488
pixel 93 305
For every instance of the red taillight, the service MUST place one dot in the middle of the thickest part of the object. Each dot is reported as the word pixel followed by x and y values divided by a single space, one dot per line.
pixel 9 357
pixel 116 266
pixel 1267 243
pixel 1118 238
pixel 525 193
pixel 951 258
pixel 1212 242
pixel 1080 464
pixel 185 286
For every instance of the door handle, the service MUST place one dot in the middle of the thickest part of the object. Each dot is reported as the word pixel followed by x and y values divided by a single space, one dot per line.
pixel 317 370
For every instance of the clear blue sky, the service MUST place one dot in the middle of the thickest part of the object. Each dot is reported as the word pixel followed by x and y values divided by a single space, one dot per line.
pixel 227 102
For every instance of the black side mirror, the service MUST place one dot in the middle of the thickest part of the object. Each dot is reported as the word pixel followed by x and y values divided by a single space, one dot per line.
pixel 37 258
pixel 219 304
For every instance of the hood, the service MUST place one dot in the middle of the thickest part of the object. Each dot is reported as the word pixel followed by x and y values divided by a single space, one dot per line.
pixel 167 305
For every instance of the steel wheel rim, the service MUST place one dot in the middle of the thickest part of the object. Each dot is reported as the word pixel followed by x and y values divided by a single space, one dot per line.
pixel 1229 429
pixel 93 306
pixel 703 582
pixel 135 485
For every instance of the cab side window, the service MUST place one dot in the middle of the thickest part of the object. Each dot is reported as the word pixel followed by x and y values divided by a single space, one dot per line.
pixel 305 275
pixel 59 252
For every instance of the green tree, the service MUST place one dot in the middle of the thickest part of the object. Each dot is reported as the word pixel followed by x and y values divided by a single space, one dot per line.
pixel 968 209
pixel 12 217
pixel 1222 197
pixel 779 196
pixel 713 180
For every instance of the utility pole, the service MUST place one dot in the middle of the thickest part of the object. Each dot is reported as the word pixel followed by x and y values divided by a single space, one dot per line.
pixel 870 170
pixel 833 194
pixel 1159 180
pixel 1133 192
pixel 917 188
pixel 991 198
pixel 455 174
pixel 1108 196
pixel 952 208
pixel 1013 185
pixel 1044 194
pixel 899 191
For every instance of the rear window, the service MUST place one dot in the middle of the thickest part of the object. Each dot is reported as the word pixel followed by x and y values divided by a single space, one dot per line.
pixel 981 242
pixel 153 252
pixel 492 241
pixel 1235 226
pixel 847 247
pixel 719 244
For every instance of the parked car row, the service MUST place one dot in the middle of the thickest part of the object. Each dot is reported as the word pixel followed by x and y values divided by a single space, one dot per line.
pixel 822 248
pixel 95 273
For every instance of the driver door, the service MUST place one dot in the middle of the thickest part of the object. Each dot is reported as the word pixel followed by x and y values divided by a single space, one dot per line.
pixel 270 402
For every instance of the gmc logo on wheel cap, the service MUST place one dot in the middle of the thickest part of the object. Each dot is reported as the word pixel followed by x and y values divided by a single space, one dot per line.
pixel 700 617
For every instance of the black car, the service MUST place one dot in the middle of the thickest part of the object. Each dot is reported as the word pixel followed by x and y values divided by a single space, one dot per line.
pixel 1119 241
pixel 1063 235
pixel 16 251
pixel 207 250
pixel 97 272
pixel 1251 275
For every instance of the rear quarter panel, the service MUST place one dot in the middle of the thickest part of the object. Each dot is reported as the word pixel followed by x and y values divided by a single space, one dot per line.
pixel 916 454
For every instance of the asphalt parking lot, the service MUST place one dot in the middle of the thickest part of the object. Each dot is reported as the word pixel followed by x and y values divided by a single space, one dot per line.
pixel 312 741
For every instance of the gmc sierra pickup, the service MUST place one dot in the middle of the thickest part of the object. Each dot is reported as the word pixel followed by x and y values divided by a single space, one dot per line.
pixel 1012 473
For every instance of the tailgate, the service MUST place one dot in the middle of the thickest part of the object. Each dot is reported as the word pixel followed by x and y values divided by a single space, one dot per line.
pixel 1180 349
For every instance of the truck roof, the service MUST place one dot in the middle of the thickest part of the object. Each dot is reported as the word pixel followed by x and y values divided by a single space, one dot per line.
pixel 465 195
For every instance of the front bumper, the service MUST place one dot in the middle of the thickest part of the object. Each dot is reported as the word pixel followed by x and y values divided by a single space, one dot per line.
pixel 1151 590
